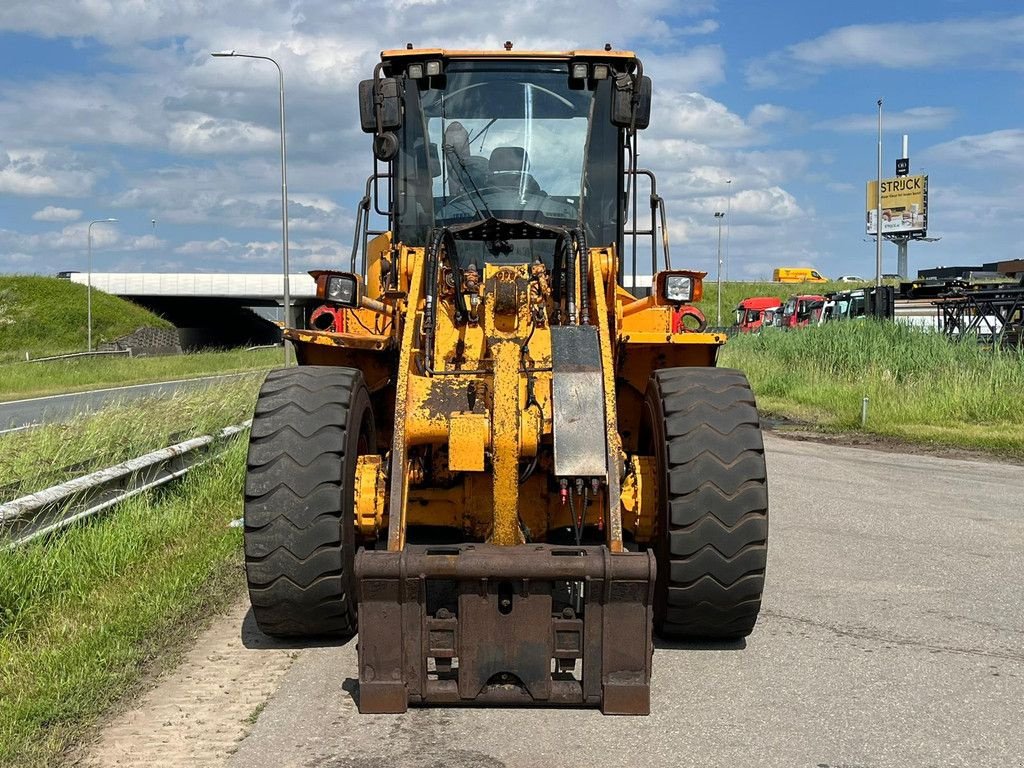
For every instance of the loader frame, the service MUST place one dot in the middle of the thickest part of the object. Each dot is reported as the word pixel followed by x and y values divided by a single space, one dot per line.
pixel 509 515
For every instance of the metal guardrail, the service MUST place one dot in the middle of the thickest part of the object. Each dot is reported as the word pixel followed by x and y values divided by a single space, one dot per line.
pixel 49 510
pixel 97 353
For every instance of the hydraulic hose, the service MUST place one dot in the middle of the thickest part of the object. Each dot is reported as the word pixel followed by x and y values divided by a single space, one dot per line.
pixel 580 238
pixel 428 303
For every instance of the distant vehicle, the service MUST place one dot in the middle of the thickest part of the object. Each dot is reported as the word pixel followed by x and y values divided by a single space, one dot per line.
pixel 850 279
pixel 800 311
pixel 797 275
pixel 757 312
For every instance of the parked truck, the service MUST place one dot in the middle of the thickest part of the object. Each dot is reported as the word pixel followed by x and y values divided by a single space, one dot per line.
pixel 757 312
pixel 800 310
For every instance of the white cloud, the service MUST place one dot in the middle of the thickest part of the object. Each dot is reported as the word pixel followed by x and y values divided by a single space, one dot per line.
pixel 998 149
pixel 769 204
pixel 696 117
pixel 705 27
pixel 221 245
pixel 56 213
pixel 302 253
pixel 79 110
pixel 913 119
pixel 202 134
pixel 685 71
pixel 769 114
pixel 34 172
pixel 73 237
pixel 979 43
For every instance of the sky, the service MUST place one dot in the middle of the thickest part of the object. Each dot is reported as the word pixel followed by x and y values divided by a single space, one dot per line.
pixel 114 108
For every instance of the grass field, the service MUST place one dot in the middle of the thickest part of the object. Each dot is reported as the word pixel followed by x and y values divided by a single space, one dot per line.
pixel 920 386
pixel 47 315
pixel 20 380
pixel 34 459
pixel 82 615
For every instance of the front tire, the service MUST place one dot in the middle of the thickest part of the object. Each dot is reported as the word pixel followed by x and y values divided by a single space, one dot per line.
pixel 309 426
pixel 712 528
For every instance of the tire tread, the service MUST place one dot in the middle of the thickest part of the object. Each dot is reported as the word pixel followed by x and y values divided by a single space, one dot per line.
pixel 294 487
pixel 715 517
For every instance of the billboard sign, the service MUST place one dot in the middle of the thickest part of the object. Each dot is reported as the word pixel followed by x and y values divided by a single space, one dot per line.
pixel 904 205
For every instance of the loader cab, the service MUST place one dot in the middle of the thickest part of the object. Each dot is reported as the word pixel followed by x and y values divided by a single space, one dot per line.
pixel 530 137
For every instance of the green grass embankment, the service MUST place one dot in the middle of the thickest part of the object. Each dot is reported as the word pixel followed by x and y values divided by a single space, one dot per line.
pixel 920 386
pixel 83 613
pixel 47 316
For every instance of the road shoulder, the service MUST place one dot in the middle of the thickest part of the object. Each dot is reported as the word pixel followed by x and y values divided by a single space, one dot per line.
pixel 197 712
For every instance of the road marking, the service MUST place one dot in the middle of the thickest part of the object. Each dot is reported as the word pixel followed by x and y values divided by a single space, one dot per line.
pixel 18 429
pixel 126 386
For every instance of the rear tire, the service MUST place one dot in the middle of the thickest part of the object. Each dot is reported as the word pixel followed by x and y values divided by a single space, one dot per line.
pixel 308 428
pixel 712 528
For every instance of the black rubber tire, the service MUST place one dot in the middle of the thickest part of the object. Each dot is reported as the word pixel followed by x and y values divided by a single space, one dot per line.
pixel 308 428
pixel 712 528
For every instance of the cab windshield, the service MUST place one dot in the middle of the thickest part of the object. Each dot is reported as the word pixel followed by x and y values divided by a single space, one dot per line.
pixel 508 140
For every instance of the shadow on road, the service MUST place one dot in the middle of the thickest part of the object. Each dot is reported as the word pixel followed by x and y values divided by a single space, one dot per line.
pixel 254 639
pixel 667 644
pixel 351 687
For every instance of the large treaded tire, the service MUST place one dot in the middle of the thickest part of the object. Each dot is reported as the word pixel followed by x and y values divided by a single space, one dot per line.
pixel 309 425
pixel 712 528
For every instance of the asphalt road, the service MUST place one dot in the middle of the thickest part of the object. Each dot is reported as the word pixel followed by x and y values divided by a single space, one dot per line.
pixel 18 414
pixel 892 634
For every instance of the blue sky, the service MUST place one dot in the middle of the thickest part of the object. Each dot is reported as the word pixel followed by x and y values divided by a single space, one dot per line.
pixel 113 108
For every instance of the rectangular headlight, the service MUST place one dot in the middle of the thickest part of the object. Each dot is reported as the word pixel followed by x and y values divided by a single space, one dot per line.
pixel 341 289
pixel 678 288
pixel 433 67
pixel 600 72
pixel 414 71
pixel 580 71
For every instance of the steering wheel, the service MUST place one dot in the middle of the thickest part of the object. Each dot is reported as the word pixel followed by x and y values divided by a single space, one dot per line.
pixel 465 200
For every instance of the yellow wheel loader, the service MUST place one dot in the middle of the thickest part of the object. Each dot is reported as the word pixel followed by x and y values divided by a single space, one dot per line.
pixel 506 451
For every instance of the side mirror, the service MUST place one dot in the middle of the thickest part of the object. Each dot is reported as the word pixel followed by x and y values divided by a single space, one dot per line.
pixel 382 95
pixel 623 114
pixel 367 115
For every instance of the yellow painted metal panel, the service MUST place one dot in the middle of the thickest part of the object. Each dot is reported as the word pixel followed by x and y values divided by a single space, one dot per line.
pixel 467 439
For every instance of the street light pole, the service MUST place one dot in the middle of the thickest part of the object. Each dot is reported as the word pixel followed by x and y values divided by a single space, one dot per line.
pixel 719 215
pixel 284 185
pixel 88 290
pixel 878 205
pixel 728 226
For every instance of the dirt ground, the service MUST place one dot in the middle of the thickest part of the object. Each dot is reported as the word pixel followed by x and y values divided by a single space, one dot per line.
pixel 196 713
pixel 884 443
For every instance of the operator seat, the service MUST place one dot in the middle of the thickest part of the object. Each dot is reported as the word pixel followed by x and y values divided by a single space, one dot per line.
pixel 508 166
pixel 462 166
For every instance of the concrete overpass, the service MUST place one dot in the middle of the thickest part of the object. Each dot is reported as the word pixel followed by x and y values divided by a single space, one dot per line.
pixel 213 309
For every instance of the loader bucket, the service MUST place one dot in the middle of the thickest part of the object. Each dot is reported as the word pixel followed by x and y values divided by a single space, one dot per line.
pixel 523 625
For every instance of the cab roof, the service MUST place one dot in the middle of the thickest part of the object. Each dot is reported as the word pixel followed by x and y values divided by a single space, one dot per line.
pixel 444 53
pixel 760 302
